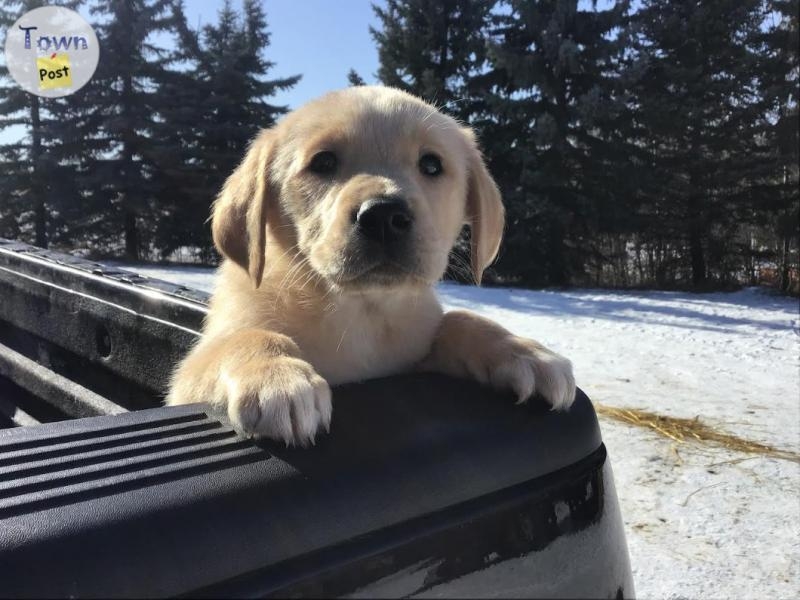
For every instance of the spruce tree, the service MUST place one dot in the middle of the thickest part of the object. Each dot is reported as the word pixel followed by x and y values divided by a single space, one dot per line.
pixel 779 82
pixel 698 103
pixel 237 101
pixel 555 121
pixel 117 111
pixel 29 190
pixel 354 79
pixel 223 99
pixel 432 48
pixel 181 193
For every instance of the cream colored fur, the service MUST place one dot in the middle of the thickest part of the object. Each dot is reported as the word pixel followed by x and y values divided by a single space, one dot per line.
pixel 292 313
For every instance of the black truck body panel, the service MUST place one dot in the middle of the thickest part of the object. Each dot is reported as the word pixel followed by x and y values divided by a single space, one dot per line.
pixel 107 330
pixel 426 485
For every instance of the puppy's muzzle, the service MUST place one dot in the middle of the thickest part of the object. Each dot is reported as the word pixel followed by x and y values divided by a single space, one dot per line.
pixel 386 220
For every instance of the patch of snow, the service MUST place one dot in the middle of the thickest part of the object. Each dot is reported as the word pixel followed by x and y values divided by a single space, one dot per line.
pixel 700 521
pixel 199 278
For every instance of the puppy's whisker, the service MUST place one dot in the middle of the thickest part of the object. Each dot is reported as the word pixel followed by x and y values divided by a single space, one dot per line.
pixel 283 254
pixel 345 330
pixel 300 275
pixel 310 276
pixel 289 276
pixel 274 263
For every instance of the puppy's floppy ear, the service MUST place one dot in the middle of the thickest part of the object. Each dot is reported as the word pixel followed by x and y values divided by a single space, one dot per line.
pixel 239 217
pixel 485 211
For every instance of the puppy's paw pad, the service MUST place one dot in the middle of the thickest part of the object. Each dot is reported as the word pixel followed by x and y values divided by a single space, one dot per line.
pixel 284 400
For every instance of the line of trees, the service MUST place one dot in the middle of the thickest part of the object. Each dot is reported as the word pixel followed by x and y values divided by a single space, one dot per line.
pixel 654 145
pixel 646 145
pixel 130 164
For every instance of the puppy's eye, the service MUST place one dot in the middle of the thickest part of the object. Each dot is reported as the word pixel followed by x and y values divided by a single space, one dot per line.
pixel 323 163
pixel 430 165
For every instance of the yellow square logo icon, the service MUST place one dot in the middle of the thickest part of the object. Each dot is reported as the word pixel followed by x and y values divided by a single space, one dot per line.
pixel 55 71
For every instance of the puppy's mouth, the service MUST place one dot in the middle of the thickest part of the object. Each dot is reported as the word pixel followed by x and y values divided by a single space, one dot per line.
pixel 375 271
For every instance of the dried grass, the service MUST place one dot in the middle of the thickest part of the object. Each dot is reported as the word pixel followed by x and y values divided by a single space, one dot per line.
pixel 682 431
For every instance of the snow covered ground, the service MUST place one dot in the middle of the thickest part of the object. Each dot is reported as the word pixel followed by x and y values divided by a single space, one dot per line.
pixel 701 521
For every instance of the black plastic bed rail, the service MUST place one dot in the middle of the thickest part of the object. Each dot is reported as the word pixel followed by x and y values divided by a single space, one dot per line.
pixel 425 486
pixel 80 339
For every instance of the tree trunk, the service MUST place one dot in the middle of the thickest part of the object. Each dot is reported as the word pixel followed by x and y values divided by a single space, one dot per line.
pixel 696 233
pixel 697 255
pixel 131 237
pixel 129 211
pixel 130 183
pixel 556 268
pixel 785 265
pixel 39 177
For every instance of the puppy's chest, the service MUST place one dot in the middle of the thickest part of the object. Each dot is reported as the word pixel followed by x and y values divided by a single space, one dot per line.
pixel 359 342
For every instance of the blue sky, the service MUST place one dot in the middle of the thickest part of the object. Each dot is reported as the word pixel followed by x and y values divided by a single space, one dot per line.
pixel 320 39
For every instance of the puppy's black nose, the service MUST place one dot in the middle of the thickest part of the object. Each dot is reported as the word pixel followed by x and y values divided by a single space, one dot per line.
pixel 385 219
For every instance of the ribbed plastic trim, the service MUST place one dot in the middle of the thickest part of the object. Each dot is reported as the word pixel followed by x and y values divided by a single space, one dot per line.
pixel 110 456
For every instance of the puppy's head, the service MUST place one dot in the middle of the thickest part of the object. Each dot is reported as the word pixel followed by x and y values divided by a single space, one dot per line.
pixel 367 187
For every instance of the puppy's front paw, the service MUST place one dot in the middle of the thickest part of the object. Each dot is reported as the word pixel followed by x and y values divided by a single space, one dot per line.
pixel 526 367
pixel 282 398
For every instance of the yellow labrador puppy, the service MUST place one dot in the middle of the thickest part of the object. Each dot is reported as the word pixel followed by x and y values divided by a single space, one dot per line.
pixel 335 228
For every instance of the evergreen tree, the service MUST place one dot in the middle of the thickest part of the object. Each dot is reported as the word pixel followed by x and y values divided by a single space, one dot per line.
pixel 354 79
pixel 554 120
pixel 227 100
pixel 431 48
pixel 697 100
pixel 70 215
pixel 116 115
pixel 28 188
pixel 182 197
pixel 780 69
